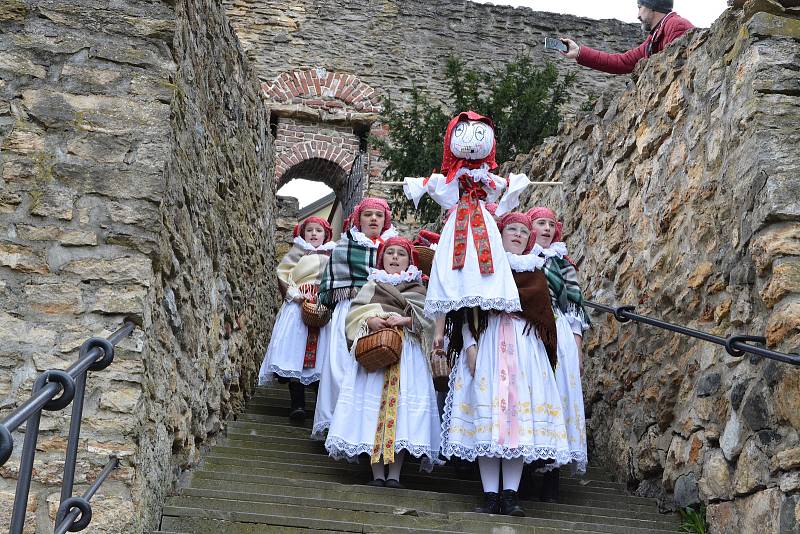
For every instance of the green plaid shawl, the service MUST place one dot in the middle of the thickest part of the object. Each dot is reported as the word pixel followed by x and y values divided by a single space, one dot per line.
pixel 346 271
pixel 562 280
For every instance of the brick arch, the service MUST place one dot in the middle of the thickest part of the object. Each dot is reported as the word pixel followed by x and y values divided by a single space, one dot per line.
pixel 321 88
pixel 313 150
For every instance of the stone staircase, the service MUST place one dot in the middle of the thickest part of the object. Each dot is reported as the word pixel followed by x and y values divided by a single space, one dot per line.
pixel 267 476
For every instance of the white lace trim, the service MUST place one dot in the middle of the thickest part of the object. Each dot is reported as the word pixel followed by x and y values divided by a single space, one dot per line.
pixel 412 274
pixel 559 248
pixel 362 239
pixel 273 369
pixel 339 449
pixel 441 307
pixel 578 460
pixel 525 262
pixel 319 430
pixel 305 245
pixel 529 453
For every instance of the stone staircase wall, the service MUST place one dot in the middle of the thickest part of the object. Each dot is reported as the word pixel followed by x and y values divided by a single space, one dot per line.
pixel 681 197
pixel 136 181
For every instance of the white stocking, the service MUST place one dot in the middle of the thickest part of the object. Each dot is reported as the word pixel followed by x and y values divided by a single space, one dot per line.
pixel 512 473
pixel 378 471
pixel 394 468
pixel 490 473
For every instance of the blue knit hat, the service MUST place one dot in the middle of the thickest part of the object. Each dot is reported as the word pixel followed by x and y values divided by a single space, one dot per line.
pixel 662 6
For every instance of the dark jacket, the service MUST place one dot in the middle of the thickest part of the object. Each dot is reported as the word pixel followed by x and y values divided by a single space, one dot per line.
pixel 670 28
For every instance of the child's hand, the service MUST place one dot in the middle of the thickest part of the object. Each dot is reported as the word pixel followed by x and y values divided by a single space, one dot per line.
pixel 376 323
pixel 472 359
pixel 395 320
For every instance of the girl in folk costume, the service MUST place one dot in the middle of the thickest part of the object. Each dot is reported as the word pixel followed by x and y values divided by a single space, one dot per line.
pixel 392 411
pixel 347 271
pixel 296 352
pixel 503 406
pixel 571 321
pixel 470 269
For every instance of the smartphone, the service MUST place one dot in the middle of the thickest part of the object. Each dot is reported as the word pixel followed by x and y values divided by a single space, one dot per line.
pixel 555 44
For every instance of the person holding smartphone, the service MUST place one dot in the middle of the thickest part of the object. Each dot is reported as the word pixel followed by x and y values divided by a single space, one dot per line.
pixel 657 18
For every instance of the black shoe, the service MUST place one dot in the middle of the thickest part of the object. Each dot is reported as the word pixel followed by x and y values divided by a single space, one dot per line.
pixel 298 402
pixel 377 483
pixel 549 491
pixel 509 504
pixel 392 483
pixel 491 503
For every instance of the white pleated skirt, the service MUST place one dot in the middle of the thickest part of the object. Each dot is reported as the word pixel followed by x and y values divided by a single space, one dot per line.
pixel 471 425
pixel 286 350
pixel 334 370
pixel 450 289
pixel 568 378
pixel 355 420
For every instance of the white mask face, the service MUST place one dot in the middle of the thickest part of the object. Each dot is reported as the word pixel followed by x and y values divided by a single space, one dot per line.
pixel 472 140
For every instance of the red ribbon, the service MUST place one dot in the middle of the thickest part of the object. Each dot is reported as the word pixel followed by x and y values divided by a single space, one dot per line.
pixel 469 215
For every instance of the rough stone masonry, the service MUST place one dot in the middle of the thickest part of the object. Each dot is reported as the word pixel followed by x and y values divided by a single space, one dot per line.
pixel 682 198
pixel 136 181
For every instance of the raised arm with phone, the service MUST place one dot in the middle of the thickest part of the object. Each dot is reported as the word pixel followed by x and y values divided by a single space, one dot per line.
pixel 657 18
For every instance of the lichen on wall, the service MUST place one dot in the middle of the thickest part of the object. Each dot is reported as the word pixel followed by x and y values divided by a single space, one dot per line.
pixel 214 282
pixel 681 197
pixel 136 169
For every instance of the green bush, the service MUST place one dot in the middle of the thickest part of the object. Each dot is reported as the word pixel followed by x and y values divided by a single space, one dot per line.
pixel 524 102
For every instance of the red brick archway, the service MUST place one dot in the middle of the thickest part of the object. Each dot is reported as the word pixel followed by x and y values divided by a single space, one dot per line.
pixel 316 150
pixel 319 88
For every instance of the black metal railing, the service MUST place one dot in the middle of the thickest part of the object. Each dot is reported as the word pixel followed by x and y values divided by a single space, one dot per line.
pixel 735 345
pixel 54 390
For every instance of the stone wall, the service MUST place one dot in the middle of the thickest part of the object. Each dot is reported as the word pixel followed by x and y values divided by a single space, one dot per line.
pixel 391 45
pixel 213 290
pixel 681 197
pixel 135 156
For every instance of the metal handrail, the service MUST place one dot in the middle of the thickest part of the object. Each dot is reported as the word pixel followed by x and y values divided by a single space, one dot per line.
pixel 735 345
pixel 54 390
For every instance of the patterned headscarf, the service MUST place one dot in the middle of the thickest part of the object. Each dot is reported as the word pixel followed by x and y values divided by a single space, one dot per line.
pixel 398 242
pixel 451 163
pixel 519 217
pixel 541 212
pixel 372 203
pixel 300 228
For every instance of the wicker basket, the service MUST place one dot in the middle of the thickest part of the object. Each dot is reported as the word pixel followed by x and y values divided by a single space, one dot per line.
pixel 379 349
pixel 440 369
pixel 314 315
pixel 425 257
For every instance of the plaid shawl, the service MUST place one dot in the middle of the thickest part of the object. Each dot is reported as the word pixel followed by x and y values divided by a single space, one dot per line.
pixel 382 299
pixel 562 280
pixel 347 270
pixel 300 266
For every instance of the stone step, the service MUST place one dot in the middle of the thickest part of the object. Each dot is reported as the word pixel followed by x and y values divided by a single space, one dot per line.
pixel 378 500
pixel 213 470
pixel 264 453
pixel 284 430
pixel 312 515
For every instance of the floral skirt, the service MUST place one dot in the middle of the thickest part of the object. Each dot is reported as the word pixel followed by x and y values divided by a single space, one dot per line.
pixel 511 408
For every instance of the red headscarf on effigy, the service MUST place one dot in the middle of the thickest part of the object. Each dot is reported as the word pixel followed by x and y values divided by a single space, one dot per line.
pixel 372 203
pixel 451 163
pixel 398 242
pixel 300 228
pixel 522 218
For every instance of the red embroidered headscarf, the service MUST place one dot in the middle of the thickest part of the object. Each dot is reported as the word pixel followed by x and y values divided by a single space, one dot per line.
pixel 541 212
pixel 300 228
pixel 398 242
pixel 519 217
pixel 451 163
pixel 372 203
pixel 426 238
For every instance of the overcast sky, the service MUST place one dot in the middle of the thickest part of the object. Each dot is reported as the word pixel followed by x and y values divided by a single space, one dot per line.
pixel 700 12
